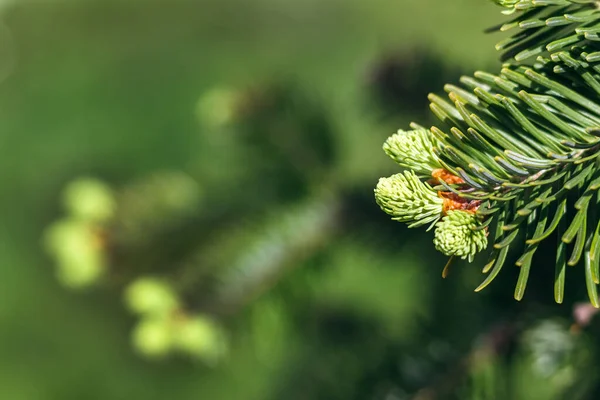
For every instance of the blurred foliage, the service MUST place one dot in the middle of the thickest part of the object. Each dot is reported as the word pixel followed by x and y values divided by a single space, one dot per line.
pixel 204 171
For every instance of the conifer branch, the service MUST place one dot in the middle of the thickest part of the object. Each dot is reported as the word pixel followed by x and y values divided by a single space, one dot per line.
pixel 518 150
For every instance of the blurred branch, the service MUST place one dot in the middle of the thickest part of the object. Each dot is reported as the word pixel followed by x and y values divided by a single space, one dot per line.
pixel 489 344
pixel 292 237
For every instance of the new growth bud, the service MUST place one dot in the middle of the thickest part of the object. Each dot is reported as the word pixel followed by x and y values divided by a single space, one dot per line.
pixel 90 199
pixel 200 337
pixel 151 296
pixel 407 199
pixel 455 235
pixel 77 249
pixel 413 150
pixel 153 337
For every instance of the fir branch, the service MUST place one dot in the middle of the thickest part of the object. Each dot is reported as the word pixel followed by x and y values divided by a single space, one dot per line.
pixel 279 246
pixel 523 144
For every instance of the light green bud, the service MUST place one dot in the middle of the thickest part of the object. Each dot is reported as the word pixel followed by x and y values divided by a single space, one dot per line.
pixel 217 107
pixel 455 235
pixel 75 246
pixel 413 150
pixel 89 199
pixel 153 337
pixel 151 296
pixel 200 337
pixel 407 199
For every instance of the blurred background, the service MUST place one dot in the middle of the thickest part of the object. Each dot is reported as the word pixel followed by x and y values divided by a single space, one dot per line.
pixel 188 212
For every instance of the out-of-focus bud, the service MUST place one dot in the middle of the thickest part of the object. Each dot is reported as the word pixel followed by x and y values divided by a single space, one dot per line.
pixel 153 337
pixel 151 297
pixel 78 251
pixel 217 107
pixel 89 199
pixel 200 337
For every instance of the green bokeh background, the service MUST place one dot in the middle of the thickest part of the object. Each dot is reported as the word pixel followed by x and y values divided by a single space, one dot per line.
pixel 109 88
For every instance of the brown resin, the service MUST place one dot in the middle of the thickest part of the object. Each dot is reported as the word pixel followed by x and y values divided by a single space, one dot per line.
pixel 441 174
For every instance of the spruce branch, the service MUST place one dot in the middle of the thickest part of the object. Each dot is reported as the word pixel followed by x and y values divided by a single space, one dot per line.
pixel 277 247
pixel 519 149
